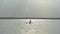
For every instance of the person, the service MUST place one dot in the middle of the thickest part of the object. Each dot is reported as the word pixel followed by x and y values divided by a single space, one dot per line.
pixel 30 22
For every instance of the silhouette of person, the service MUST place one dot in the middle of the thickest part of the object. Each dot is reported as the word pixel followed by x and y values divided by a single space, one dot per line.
pixel 30 22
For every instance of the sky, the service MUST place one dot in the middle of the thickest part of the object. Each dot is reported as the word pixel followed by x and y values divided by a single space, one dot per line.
pixel 30 8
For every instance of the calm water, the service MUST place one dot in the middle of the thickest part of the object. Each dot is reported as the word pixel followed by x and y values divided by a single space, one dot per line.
pixel 22 26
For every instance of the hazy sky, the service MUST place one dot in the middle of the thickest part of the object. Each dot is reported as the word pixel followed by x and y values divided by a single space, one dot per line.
pixel 30 8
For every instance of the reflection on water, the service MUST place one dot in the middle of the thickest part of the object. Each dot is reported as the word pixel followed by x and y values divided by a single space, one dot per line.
pixel 22 26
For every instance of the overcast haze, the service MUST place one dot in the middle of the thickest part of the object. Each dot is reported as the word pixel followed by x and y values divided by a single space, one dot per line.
pixel 30 8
